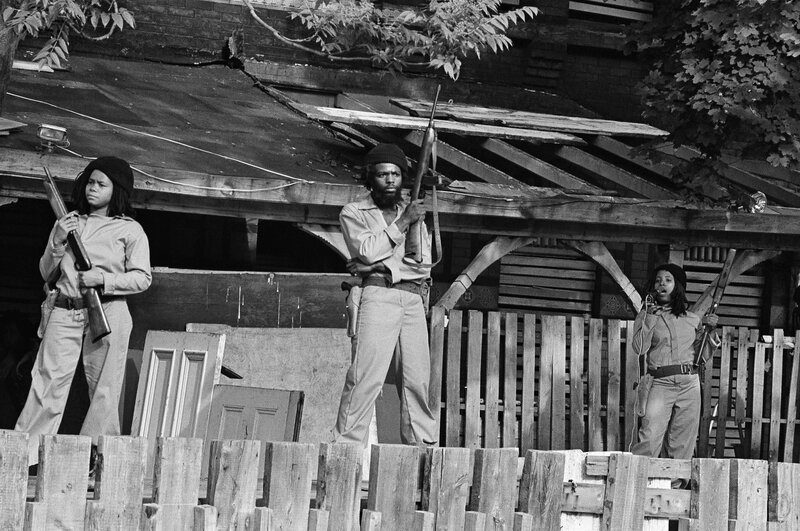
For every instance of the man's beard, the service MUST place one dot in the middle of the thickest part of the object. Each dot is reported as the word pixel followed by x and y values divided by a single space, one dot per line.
pixel 387 200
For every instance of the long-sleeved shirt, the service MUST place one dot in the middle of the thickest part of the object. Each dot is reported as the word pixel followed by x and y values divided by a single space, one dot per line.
pixel 116 246
pixel 665 338
pixel 371 240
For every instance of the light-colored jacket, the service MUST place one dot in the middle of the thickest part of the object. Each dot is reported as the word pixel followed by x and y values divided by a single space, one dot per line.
pixel 666 339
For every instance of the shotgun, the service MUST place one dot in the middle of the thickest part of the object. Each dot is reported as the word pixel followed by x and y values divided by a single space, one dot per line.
pixel 427 153
pixel 716 297
pixel 98 322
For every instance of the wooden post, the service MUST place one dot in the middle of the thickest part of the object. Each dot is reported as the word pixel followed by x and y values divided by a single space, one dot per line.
pixel 393 482
pixel 446 480
pixel 288 469
pixel 453 384
pixel 710 493
pixel 14 474
pixel 119 486
pixel 318 520
pixel 63 479
pixel 749 491
pixel 776 392
pixel 595 359
pixel 339 484
pixel 232 481
pixel 370 520
pixel 472 414
pixel 783 509
pixel 623 507
pixel 510 382
pixel 758 400
pixel 528 423
pixel 205 518
pixel 577 425
pixel 614 380
pixel 791 404
pixel 492 493
pixel 438 317
pixel 523 522
pixel 474 521
pixel 491 416
pixel 541 488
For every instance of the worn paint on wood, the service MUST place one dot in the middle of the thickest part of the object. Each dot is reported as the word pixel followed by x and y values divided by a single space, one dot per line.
pixel 288 470
pixel 232 482
pixel 63 479
pixel 710 499
pixel 492 493
pixel 339 483
pixel 748 492
pixel 446 480
pixel 541 488
pixel 14 474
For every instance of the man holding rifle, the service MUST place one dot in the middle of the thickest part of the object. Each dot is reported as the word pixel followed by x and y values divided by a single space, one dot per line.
pixel 391 311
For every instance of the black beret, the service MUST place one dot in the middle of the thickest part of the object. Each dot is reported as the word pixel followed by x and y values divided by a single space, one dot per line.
pixel 115 169
pixel 676 271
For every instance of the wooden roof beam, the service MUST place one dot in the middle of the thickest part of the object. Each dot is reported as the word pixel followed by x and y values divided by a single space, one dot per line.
pixel 622 150
pixel 625 179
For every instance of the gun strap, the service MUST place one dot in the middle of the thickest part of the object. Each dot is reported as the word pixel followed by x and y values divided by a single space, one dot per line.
pixel 437 237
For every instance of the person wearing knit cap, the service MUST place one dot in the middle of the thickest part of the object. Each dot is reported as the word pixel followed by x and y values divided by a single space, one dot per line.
pixel 391 323
pixel 119 251
pixel 665 336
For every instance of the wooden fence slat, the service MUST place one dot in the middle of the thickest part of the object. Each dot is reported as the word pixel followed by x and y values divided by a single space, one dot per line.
pixel 492 492
pixel 783 509
pixel 370 520
pixel 318 520
pixel 758 398
pixel 394 470
pixel 474 521
pixel 724 390
pixel 288 468
pixel 523 522
pixel 575 472
pixel 232 482
pixel 623 507
pixel 558 438
pixel 14 474
pixel 545 401
pixel 35 515
pixel 472 413
pixel 178 463
pixel 491 414
pixel 423 521
pixel 119 486
pixel 453 383
pixel 446 481
pixel 742 356
pixel 791 405
pixel 541 488
pixel 612 404
pixel 749 488
pixel 438 316
pixel 706 408
pixel 205 518
pixel 63 479
pixel 510 382
pixel 576 422
pixel 595 360
pixel 528 424
pixel 710 493
pixel 339 483
pixel 631 380
pixel 776 391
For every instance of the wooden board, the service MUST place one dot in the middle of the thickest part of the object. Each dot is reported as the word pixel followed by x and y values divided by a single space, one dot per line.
pixel 453 384
pixel 312 360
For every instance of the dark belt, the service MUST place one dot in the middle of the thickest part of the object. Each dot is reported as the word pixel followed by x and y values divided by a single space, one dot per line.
pixel 404 285
pixel 672 370
pixel 69 303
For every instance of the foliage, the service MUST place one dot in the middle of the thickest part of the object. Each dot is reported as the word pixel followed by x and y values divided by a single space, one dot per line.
pixel 725 76
pixel 93 19
pixel 439 34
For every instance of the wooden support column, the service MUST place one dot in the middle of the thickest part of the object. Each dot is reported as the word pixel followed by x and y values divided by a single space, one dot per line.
pixel 491 252
pixel 598 252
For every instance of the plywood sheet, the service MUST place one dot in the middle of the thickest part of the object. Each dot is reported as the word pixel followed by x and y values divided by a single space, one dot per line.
pixel 313 360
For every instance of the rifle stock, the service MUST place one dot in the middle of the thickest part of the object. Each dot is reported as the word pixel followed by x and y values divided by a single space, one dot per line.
pixel 415 237
pixel 98 322
pixel 719 290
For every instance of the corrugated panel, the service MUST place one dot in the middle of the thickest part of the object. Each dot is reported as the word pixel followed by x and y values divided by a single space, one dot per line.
pixel 547 279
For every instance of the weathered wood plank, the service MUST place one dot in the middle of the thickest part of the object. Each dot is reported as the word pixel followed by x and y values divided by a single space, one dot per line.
pixel 492 493
pixel 339 483
pixel 288 468
pixel 14 485
pixel 614 380
pixel 541 488
pixel 523 522
pixel 749 490
pixel 573 516
pixel 232 482
pixel 776 392
pixel 474 521
pixel 393 484
pixel 437 326
pixel 510 381
pixel 576 421
pixel 710 493
pixel 177 470
pixel 446 481
pixel 472 414
pixel 758 400
pixel 491 420
pixel 545 401
pixel 623 507
pixel 791 405
pixel 318 520
pixel 724 389
pixel 557 337
pixel 742 356
pixel 453 384
pixel 424 521
pixel 706 411
pixel 597 465
pixel 595 353
pixel 63 479
pixel 631 381
pixel 527 423
pixel 783 509
pixel 370 520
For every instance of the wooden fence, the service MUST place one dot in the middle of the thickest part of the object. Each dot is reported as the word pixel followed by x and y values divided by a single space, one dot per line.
pixel 564 382
pixel 305 487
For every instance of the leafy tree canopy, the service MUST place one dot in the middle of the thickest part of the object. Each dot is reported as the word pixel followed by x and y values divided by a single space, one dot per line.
pixel 725 76
pixel 438 34
pixel 93 19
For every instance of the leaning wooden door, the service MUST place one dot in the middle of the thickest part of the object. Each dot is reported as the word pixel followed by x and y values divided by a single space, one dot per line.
pixel 179 370
pixel 239 412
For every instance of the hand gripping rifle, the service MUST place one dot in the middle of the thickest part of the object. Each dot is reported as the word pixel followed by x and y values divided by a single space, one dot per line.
pixel 98 323
pixel 425 160
pixel 719 289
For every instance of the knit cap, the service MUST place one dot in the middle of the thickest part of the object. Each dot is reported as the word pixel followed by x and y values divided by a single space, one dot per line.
pixel 387 153
pixel 116 169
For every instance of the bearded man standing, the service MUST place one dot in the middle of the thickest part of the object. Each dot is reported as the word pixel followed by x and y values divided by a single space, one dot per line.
pixel 391 310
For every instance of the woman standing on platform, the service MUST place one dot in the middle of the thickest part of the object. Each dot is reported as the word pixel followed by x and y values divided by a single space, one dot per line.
pixel 665 334
pixel 120 255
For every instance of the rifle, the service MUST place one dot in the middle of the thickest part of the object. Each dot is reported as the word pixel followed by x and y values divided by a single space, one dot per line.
pixel 716 297
pixel 425 160
pixel 98 322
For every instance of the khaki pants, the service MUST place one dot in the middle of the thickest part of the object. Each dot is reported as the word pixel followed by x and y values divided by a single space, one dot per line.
pixel 672 418
pixel 388 316
pixel 104 363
